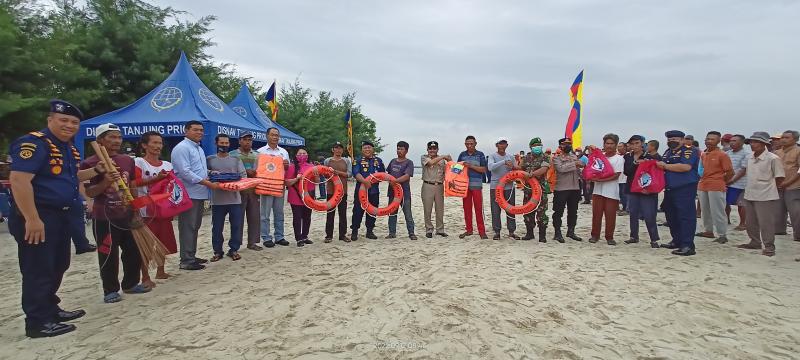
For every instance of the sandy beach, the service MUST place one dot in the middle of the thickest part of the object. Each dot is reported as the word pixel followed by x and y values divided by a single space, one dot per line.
pixel 435 298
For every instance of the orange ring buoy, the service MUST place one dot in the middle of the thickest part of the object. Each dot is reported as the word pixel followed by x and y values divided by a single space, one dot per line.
pixel 393 205
pixel 338 189
pixel 531 205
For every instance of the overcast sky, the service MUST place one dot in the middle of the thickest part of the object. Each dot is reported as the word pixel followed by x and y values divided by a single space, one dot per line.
pixel 444 69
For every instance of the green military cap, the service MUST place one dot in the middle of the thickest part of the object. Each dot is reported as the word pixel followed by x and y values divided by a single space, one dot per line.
pixel 535 140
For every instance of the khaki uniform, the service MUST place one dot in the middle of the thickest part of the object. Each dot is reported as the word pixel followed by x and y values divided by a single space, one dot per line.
pixel 433 193
pixel 531 163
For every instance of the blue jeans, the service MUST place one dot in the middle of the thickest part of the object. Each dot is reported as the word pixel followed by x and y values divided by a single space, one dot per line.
pixel 623 196
pixel 406 205
pixel 218 213
pixel 274 205
pixel 643 206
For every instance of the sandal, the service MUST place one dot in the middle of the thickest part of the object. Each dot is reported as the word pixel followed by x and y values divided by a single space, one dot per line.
pixel 234 256
pixel 328 239
pixel 215 258
pixel 112 298
pixel 138 289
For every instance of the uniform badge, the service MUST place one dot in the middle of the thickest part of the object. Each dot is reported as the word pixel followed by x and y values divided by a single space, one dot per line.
pixel 56 170
pixel 25 154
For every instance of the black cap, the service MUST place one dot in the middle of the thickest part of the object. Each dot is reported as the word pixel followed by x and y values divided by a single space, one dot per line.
pixel 367 142
pixel 675 133
pixel 338 144
pixel 245 134
pixel 636 137
pixel 433 144
pixel 563 140
pixel 63 107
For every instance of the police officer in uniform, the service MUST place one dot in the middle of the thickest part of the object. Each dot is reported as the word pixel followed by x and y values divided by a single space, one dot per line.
pixel 364 166
pixel 44 188
pixel 680 167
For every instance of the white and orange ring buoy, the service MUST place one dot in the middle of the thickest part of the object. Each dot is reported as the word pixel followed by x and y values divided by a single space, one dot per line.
pixel 338 189
pixel 531 205
pixel 394 204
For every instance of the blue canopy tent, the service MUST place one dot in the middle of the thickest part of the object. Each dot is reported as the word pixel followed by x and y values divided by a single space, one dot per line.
pixel 246 106
pixel 180 98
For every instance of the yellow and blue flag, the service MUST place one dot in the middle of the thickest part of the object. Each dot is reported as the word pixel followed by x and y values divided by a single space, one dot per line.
pixel 574 124
pixel 348 120
pixel 272 101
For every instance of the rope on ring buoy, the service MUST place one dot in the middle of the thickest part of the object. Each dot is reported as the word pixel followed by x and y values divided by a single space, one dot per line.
pixel 338 189
pixel 394 204
pixel 533 184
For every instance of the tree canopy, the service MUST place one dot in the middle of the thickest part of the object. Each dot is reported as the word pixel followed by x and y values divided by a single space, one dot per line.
pixel 105 54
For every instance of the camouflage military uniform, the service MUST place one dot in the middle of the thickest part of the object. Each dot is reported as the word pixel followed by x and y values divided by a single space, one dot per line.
pixel 531 163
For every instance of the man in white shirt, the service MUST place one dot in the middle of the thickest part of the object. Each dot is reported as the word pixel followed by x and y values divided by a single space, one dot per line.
pixel 273 204
pixel 765 173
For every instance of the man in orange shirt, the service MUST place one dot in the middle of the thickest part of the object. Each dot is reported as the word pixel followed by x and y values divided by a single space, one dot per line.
pixel 717 170
pixel 789 190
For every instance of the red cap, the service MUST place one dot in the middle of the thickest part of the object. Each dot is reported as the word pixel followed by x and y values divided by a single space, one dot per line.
pixel 727 137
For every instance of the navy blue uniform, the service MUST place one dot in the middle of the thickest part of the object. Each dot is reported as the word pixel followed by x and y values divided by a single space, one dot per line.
pixel 366 167
pixel 54 164
pixel 679 196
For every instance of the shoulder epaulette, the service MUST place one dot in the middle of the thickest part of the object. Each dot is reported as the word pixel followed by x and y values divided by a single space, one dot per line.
pixel 38 134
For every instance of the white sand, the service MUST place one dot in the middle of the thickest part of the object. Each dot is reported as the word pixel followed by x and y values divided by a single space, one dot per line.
pixel 441 298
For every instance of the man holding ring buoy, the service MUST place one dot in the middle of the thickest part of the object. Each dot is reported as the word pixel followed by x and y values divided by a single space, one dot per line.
pixel 364 166
pixel 536 165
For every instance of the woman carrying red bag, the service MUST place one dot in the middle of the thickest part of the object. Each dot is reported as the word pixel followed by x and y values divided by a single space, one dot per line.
pixel 641 205
pixel 149 170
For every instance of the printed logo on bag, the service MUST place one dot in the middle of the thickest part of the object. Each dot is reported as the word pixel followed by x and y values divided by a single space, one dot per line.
pixel 457 168
pixel 645 180
pixel 176 195
pixel 598 165
pixel 271 167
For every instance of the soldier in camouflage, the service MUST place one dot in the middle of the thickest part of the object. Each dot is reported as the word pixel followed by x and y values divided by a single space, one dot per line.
pixel 536 164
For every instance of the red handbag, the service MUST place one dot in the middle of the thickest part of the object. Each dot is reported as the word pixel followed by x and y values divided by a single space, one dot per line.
pixel 649 179
pixel 598 166
pixel 178 200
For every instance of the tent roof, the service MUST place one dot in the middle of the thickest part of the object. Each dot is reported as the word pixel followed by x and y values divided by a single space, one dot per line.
pixel 180 98
pixel 246 106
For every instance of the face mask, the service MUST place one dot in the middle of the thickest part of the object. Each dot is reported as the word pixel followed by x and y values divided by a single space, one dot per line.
pixel 302 158
pixel 536 150
pixel 222 149
pixel 673 144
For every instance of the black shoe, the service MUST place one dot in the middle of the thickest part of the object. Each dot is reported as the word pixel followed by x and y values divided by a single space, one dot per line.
pixel 441 234
pixel 684 252
pixel 64 316
pixel 269 244
pixel 558 237
pixel 192 266
pixel 572 236
pixel 390 236
pixel 611 242
pixel 669 245
pixel 496 237
pixel 593 240
pixel 354 236
pixel 282 242
pixel 654 245
pixel 631 241
pixel 371 235
pixel 200 260
pixel 429 235
pixel 301 243
pixel 529 236
pixel 307 241
pixel 49 330
pixel 89 248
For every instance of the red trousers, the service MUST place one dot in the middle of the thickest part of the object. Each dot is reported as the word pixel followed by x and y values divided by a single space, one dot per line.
pixel 474 200
pixel 601 206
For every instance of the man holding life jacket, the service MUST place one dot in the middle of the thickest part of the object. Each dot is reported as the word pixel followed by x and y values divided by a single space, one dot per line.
pixel 536 165
pixel 269 203
pixel 250 200
pixel 432 192
pixel 567 191
pixel 364 166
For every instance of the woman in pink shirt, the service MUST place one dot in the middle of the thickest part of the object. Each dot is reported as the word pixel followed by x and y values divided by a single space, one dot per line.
pixel 301 215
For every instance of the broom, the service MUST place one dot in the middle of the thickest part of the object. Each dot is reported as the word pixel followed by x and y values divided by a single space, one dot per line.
pixel 151 250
